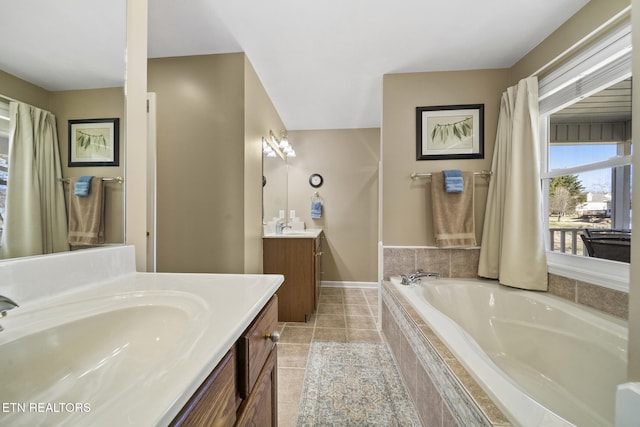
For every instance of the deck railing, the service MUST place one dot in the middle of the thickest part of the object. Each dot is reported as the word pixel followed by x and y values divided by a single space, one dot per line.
pixel 567 240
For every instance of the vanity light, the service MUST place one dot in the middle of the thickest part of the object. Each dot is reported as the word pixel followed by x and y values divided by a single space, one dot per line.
pixel 266 149
pixel 281 146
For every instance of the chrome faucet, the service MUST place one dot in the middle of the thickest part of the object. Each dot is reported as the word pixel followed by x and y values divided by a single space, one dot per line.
pixel 6 304
pixel 280 226
pixel 414 278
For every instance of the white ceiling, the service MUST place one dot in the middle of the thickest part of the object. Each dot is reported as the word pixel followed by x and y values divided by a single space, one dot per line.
pixel 321 62
pixel 66 44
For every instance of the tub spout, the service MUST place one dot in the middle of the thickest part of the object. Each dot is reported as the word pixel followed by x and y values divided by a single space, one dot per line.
pixel 415 277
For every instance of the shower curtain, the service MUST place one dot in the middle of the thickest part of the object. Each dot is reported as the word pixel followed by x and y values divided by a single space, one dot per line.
pixel 513 248
pixel 36 216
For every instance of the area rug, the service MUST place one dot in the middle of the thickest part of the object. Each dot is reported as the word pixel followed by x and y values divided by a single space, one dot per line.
pixel 354 384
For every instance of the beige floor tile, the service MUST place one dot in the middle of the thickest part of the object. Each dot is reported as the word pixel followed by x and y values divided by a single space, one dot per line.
pixel 290 382
pixel 331 299
pixel 330 309
pixel 330 334
pixel 287 414
pixel 363 335
pixel 296 335
pixel 354 292
pixel 357 310
pixel 360 322
pixel 330 291
pixel 293 355
pixel 331 321
pixel 298 324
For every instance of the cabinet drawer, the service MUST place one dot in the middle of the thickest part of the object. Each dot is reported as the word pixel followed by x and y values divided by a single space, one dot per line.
pixel 255 345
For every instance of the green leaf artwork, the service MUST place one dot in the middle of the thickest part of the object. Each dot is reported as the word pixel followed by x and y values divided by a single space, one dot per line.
pixel 91 141
pixel 443 132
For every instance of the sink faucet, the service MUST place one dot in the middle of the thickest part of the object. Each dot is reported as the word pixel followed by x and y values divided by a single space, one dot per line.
pixel 5 305
pixel 414 278
pixel 280 226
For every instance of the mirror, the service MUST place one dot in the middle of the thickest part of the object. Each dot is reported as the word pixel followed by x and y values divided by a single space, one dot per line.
pixel 274 187
pixel 68 59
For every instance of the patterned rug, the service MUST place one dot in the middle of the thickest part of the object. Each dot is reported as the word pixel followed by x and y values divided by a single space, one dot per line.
pixel 354 384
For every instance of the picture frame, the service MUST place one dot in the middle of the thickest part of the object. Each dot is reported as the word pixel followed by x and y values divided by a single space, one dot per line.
pixel 450 132
pixel 94 142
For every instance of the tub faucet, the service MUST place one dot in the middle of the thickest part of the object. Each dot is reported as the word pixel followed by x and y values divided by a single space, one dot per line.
pixel 6 304
pixel 414 278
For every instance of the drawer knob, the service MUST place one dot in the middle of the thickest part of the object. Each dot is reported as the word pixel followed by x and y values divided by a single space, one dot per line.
pixel 273 336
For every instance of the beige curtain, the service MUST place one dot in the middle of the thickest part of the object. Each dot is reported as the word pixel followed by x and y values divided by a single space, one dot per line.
pixel 512 248
pixel 36 216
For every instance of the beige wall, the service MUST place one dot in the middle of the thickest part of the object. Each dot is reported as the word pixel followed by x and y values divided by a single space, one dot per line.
pixel 406 206
pixel 348 161
pixel 260 117
pixel 212 112
pixel 21 90
pixel 200 162
pixel 94 104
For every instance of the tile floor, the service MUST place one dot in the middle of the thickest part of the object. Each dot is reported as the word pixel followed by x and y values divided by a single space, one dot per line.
pixel 344 314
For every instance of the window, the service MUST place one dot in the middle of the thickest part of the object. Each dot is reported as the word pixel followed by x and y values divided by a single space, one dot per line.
pixel 585 115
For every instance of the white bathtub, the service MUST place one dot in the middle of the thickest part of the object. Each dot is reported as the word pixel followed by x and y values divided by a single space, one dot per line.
pixel 544 361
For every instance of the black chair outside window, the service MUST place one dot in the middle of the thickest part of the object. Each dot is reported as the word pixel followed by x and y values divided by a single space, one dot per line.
pixel 608 244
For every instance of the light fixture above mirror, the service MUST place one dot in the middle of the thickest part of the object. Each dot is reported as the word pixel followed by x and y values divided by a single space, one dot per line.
pixel 273 146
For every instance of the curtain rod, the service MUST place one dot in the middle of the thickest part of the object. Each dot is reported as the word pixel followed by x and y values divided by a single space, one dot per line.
pixel 117 179
pixel 8 98
pixel 418 175
pixel 586 39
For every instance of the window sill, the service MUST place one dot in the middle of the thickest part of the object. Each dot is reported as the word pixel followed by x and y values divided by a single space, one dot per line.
pixel 601 272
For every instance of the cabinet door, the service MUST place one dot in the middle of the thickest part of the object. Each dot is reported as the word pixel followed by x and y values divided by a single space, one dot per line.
pixel 261 408
pixel 293 258
pixel 214 404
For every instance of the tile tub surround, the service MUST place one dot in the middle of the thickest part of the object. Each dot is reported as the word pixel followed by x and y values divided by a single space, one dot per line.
pixel 463 263
pixel 444 393
pixel 607 300
pixel 459 263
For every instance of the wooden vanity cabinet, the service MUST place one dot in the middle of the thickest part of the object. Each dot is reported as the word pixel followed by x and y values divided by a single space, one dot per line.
pixel 299 259
pixel 242 389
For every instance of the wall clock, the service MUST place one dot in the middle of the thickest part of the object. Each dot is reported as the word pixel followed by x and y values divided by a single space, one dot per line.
pixel 315 180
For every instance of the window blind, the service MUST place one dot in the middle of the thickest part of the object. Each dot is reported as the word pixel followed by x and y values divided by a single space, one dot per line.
pixel 4 118
pixel 605 62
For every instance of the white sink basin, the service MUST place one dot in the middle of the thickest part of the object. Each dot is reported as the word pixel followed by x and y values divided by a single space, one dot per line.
pixel 87 357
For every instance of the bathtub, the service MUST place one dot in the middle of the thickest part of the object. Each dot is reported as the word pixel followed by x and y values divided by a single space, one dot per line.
pixel 542 360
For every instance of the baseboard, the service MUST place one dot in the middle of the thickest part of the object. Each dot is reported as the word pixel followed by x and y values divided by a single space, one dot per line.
pixel 336 284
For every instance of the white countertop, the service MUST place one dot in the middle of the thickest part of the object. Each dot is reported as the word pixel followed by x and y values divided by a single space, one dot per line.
pixel 308 233
pixel 213 311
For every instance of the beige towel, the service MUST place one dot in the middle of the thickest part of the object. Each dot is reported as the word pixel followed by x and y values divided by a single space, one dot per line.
pixel 453 213
pixel 86 214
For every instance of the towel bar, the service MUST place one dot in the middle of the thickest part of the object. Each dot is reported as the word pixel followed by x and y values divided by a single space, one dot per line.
pixel 419 175
pixel 117 179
